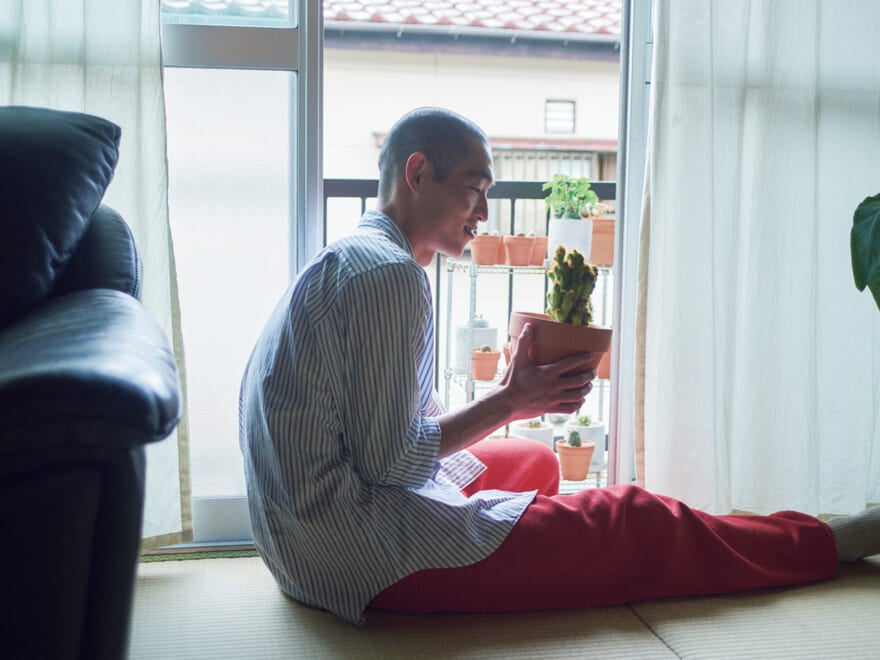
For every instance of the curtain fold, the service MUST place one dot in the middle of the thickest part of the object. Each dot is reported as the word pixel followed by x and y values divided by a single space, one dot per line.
pixel 760 358
pixel 103 57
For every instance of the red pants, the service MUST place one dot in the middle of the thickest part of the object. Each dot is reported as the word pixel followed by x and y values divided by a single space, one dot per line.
pixel 609 546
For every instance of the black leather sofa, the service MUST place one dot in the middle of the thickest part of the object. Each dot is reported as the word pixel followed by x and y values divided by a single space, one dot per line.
pixel 87 378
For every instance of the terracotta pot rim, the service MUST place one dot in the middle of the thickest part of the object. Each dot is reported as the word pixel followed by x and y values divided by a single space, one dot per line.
pixel 587 444
pixel 553 340
pixel 546 317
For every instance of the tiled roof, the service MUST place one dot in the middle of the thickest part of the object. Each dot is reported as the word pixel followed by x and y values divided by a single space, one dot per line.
pixel 572 19
pixel 565 17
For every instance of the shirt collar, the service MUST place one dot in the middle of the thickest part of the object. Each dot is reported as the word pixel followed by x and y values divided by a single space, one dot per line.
pixel 381 222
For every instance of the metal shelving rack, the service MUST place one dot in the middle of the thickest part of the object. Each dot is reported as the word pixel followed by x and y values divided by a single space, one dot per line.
pixel 473 271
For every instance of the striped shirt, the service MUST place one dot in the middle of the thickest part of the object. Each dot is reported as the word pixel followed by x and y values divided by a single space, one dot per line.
pixel 339 433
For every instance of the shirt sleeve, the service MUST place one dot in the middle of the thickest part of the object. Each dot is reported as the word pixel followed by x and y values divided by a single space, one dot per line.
pixel 390 440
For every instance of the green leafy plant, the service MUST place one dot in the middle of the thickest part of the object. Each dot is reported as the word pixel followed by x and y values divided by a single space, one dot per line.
pixel 568 300
pixel 569 197
pixel 583 420
pixel 574 439
pixel 533 424
pixel 865 246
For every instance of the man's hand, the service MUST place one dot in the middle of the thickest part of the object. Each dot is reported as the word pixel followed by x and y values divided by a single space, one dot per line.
pixel 526 390
pixel 558 387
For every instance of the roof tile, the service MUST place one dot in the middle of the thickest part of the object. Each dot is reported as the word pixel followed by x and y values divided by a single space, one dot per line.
pixel 585 17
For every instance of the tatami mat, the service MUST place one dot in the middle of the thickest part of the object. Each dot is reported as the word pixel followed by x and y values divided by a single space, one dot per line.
pixel 231 608
pixel 836 619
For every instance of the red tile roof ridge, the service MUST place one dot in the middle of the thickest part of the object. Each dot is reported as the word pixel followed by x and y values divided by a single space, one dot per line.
pixel 599 18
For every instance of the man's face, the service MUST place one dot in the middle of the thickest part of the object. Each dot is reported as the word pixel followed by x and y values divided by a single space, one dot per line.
pixel 455 206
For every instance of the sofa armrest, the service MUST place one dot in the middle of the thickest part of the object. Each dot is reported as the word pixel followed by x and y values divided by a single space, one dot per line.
pixel 83 364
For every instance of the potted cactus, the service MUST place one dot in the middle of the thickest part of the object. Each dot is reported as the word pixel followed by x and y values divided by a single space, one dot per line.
pixel 567 326
pixel 539 252
pixel 484 362
pixel 476 333
pixel 575 455
pixel 591 430
pixel 484 248
pixel 518 249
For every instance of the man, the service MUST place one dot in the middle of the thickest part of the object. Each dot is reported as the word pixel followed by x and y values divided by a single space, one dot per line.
pixel 364 492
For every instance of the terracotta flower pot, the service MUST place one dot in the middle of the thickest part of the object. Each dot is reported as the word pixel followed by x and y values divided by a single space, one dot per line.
pixel 552 340
pixel 484 249
pixel 518 250
pixel 484 364
pixel 539 251
pixel 574 461
pixel 603 371
pixel 602 246
pixel 501 257
pixel 595 434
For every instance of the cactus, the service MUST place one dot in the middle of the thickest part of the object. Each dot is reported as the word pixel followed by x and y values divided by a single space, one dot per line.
pixel 573 282
pixel 574 439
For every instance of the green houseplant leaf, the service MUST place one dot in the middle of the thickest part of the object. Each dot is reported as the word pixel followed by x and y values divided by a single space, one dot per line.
pixel 865 246
pixel 569 197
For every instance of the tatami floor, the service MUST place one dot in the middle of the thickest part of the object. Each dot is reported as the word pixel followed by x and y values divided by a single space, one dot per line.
pixel 231 608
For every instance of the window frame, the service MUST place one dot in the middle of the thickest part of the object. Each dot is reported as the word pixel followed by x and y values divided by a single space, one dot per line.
pixel 297 49
pixel 222 520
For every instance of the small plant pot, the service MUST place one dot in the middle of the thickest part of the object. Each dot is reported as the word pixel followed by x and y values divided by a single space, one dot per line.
pixel 542 433
pixel 501 257
pixel 484 364
pixel 552 340
pixel 484 249
pixel 539 251
pixel 595 434
pixel 518 250
pixel 574 461
pixel 479 337
pixel 602 246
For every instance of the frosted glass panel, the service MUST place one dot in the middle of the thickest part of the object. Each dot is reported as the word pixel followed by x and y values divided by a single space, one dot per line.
pixel 229 146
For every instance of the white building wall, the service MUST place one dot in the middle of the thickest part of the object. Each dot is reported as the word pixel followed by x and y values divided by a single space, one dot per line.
pixel 366 91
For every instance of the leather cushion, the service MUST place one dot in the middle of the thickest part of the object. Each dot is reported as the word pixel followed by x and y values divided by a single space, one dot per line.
pixel 106 258
pixel 92 367
pixel 54 169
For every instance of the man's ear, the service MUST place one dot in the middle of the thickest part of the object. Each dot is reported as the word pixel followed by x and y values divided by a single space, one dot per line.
pixel 416 170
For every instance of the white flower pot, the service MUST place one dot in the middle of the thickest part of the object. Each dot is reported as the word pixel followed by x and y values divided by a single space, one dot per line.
pixel 572 233
pixel 594 433
pixel 543 433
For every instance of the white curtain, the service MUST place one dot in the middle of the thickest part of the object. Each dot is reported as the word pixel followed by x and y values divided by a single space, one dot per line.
pixel 761 360
pixel 103 57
